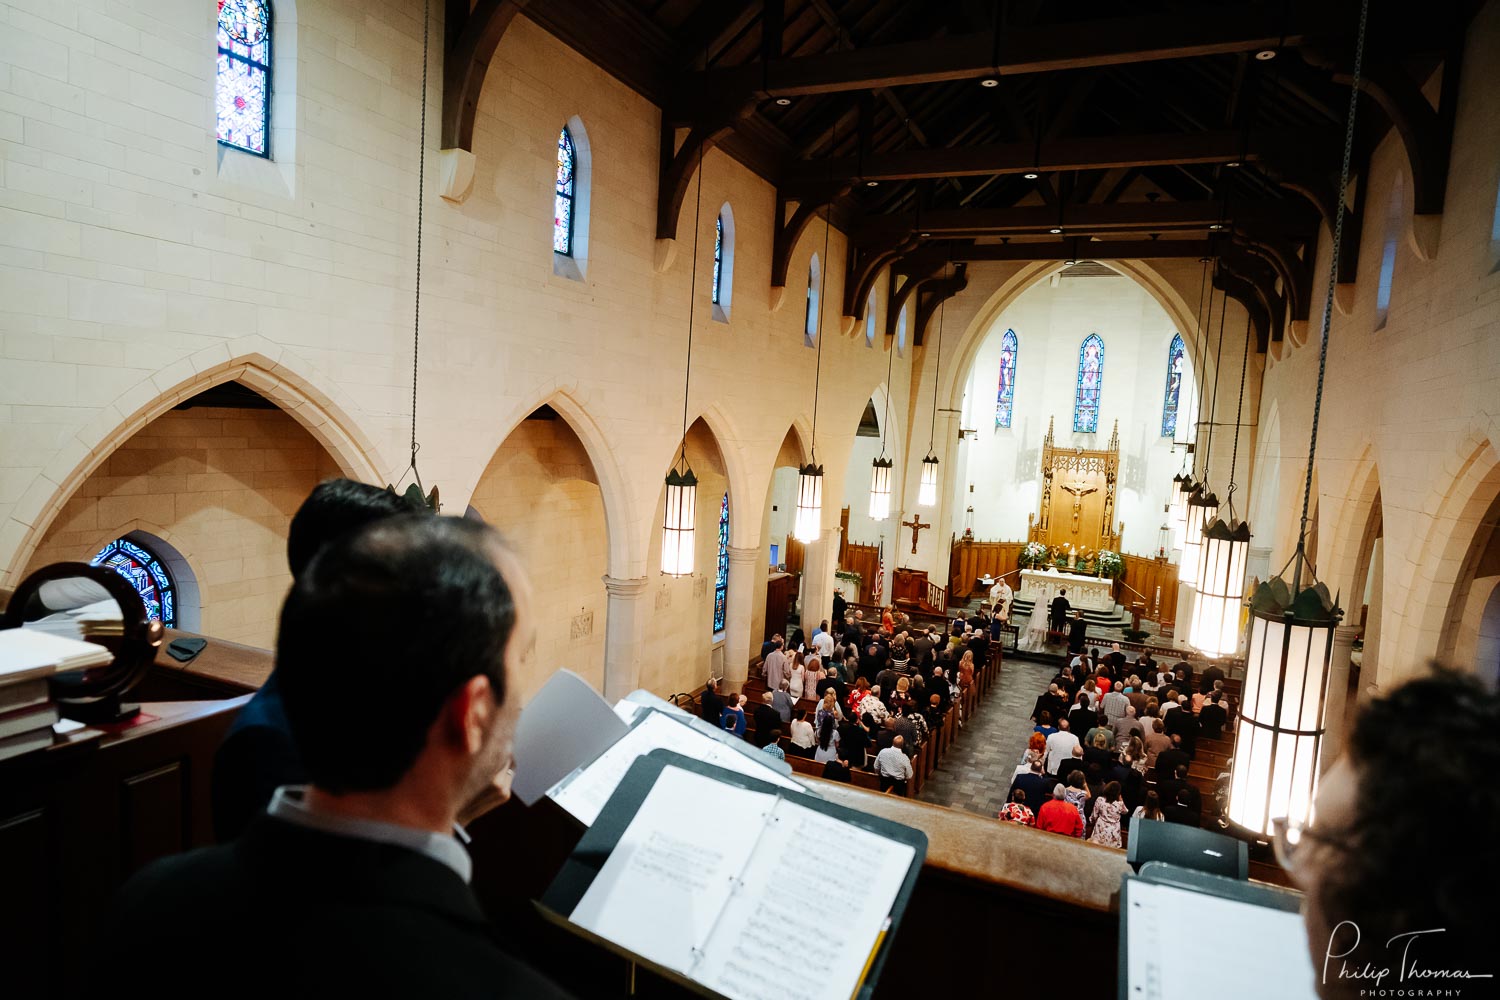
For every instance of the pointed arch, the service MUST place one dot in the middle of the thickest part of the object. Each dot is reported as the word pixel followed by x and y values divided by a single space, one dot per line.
pixel 572 201
pixel 1005 401
pixel 723 285
pixel 1090 386
pixel 295 385
pixel 1176 368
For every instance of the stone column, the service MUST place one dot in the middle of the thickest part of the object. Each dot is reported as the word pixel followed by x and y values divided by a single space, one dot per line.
pixel 817 579
pixel 738 642
pixel 1258 564
pixel 1184 622
pixel 622 636
pixel 1338 695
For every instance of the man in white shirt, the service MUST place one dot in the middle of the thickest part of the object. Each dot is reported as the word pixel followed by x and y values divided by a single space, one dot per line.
pixel 1060 746
pixel 775 667
pixel 823 643
pixel 893 767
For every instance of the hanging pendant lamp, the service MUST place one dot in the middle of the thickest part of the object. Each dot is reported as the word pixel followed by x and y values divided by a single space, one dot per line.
pixel 1278 741
pixel 927 490
pixel 1199 507
pixel 809 523
pixel 880 468
pixel 679 524
pixel 1185 433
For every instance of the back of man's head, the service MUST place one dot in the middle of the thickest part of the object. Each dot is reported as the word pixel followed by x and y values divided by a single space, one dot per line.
pixel 382 628
pixel 335 508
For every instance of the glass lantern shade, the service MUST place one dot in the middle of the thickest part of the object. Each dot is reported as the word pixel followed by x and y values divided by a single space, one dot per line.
pixel 809 504
pixel 1215 627
pixel 678 523
pixel 880 490
pixel 1276 747
pixel 1200 507
pixel 1182 485
pixel 927 492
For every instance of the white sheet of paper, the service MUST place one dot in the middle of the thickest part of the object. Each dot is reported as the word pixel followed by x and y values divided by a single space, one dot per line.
pixel 1273 961
pixel 584 793
pixel 667 880
pixel 749 957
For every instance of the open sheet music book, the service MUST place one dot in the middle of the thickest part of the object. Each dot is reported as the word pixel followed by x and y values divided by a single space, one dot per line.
pixel 696 883
pixel 584 792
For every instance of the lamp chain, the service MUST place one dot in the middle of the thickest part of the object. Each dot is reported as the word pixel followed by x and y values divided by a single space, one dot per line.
pixel 416 328
pixel 687 374
pixel 1239 416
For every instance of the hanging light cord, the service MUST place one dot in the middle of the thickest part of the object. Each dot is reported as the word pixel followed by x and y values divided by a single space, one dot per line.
pixel 1239 415
pixel 692 304
pixel 1333 267
pixel 1213 407
pixel 1205 324
pixel 937 367
pixel 1198 362
pixel 822 284
pixel 416 329
pixel 890 359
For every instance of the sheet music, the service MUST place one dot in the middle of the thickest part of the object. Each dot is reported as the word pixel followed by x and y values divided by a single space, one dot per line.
pixel 1166 961
pixel 667 880
pixel 752 954
pixel 584 792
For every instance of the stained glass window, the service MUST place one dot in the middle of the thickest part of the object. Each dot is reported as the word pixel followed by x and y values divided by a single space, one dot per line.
pixel 721 578
pixel 146 574
pixel 242 84
pixel 810 318
pixel 1176 360
pixel 718 256
pixel 562 213
pixel 1005 402
pixel 1090 384
pixel 870 321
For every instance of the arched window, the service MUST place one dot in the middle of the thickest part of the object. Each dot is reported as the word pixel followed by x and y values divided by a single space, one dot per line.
pixel 1005 402
pixel 870 321
pixel 901 332
pixel 723 263
pixel 721 577
pixel 562 213
pixel 242 82
pixel 1176 362
pixel 810 320
pixel 1090 384
pixel 146 573
pixel 1388 255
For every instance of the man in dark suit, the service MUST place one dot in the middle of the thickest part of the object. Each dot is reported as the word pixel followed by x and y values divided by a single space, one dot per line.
pixel 1077 633
pixel 1037 786
pixel 1210 674
pixel 979 645
pixel 356 882
pixel 1182 724
pixel 710 705
pixel 1060 609
pixel 258 755
pixel 840 608
pixel 767 719
pixel 1082 718
pixel 1212 717
pixel 1168 760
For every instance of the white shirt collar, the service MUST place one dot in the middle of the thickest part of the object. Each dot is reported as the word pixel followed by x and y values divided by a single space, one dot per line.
pixel 290 804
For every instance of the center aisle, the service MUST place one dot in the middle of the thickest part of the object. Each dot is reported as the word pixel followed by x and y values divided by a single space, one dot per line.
pixel 975 774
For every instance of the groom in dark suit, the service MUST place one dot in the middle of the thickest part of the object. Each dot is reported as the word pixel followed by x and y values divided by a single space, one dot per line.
pixel 1060 609
pixel 397 654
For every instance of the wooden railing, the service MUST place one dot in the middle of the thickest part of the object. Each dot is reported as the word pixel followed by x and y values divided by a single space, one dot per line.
pixel 1155 581
pixel 937 599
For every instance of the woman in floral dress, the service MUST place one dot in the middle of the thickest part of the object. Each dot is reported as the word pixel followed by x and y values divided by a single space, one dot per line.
pixel 1109 809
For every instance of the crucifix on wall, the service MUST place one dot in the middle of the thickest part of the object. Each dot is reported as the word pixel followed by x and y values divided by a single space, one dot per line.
pixel 1079 491
pixel 916 526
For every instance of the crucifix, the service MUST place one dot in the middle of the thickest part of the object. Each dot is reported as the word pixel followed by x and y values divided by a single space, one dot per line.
pixel 1079 492
pixel 916 526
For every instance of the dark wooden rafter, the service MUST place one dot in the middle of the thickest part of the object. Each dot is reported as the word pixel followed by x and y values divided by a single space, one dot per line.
pixel 789 228
pixel 677 166
pixel 865 265
pixel 1246 294
pixel 471 37
pixel 1238 263
pixel 1295 274
pixel 932 293
pixel 907 276
pixel 1269 216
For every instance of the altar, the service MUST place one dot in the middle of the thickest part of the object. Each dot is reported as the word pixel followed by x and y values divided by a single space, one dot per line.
pixel 1089 592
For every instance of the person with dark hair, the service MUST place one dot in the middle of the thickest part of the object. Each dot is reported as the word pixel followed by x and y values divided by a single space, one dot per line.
pixel 828 741
pixel 854 741
pixel 1059 609
pixel 1082 718
pixel 1212 718
pixel 1150 809
pixel 773 745
pixel 398 651
pixel 733 717
pixel 1016 810
pixel 838 770
pixel 803 736
pixel 1109 810
pixel 1044 724
pixel 1168 760
pixel 1381 875
pixel 258 755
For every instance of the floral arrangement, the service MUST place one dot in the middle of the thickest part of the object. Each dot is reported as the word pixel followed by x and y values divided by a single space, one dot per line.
pixel 850 577
pixel 1110 564
pixel 1033 555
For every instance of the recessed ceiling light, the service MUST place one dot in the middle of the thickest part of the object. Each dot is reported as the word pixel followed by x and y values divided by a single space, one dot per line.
pixel 870 184
pixel 1215 225
pixel 989 81
pixel 1054 230
pixel 783 101
pixel 1266 55
pixel 1031 175
pixel 1232 163
pixel 926 234
pixel 1069 263
pixel 1205 260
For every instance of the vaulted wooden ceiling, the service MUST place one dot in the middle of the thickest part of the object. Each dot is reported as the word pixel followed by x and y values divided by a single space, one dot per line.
pixel 1153 128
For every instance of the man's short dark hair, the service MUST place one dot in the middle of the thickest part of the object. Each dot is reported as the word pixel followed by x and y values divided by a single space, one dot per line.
pixel 335 508
pixel 380 630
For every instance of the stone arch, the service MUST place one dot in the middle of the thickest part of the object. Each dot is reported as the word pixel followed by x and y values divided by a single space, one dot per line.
pixel 741 497
pixel 293 384
pixel 173 550
pixel 1436 559
pixel 1350 552
pixel 617 506
pixel 1265 485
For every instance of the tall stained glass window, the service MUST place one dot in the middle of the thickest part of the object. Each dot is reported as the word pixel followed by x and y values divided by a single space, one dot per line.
pixel 1090 384
pixel 1176 360
pixel 562 213
pixel 1005 403
pixel 146 574
pixel 242 83
pixel 718 256
pixel 721 577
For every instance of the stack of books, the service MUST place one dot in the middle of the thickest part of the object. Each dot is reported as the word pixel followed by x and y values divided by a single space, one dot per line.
pixel 28 657
pixel 99 619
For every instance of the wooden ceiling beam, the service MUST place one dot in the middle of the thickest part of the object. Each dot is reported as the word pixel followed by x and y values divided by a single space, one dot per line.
pixel 471 37
pixel 1019 49
pixel 1101 153
pixel 1063 249
pixel 1285 216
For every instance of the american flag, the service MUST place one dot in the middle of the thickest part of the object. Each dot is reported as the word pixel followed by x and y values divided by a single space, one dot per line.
pixel 877 592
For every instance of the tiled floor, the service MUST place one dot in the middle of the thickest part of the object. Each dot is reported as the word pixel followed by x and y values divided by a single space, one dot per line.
pixel 976 773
